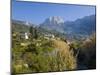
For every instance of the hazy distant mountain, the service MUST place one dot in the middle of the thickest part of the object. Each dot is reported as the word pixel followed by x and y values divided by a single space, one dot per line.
pixel 83 26
pixel 19 26
pixel 23 23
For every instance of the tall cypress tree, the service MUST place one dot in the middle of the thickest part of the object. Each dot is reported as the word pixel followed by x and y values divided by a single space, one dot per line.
pixel 35 34
pixel 31 32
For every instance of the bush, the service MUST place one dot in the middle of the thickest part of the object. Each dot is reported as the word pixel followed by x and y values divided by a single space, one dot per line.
pixel 87 54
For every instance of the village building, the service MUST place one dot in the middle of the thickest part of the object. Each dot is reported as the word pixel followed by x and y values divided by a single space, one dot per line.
pixel 24 35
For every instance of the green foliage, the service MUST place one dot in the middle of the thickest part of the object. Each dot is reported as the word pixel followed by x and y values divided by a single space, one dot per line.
pixel 35 34
pixel 88 52
pixel 31 32
pixel 40 56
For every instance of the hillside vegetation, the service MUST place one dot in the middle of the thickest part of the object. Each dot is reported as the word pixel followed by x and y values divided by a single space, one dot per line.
pixel 47 52
pixel 41 55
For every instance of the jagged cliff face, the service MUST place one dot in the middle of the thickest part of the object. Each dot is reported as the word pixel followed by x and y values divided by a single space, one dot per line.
pixel 53 23
pixel 55 20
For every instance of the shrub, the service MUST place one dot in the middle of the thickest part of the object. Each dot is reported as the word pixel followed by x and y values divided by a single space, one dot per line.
pixel 88 52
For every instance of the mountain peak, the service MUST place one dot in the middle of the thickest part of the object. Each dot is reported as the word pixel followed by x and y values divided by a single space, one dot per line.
pixel 54 20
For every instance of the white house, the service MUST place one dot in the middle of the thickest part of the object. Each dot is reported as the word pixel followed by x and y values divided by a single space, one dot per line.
pixel 24 35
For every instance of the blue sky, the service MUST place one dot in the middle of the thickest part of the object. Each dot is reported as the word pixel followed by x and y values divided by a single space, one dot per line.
pixel 37 12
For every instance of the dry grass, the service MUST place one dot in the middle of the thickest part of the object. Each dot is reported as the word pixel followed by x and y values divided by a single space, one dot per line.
pixel 68 61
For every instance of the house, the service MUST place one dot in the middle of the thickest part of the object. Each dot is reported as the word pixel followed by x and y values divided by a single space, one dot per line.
pixel 24 35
